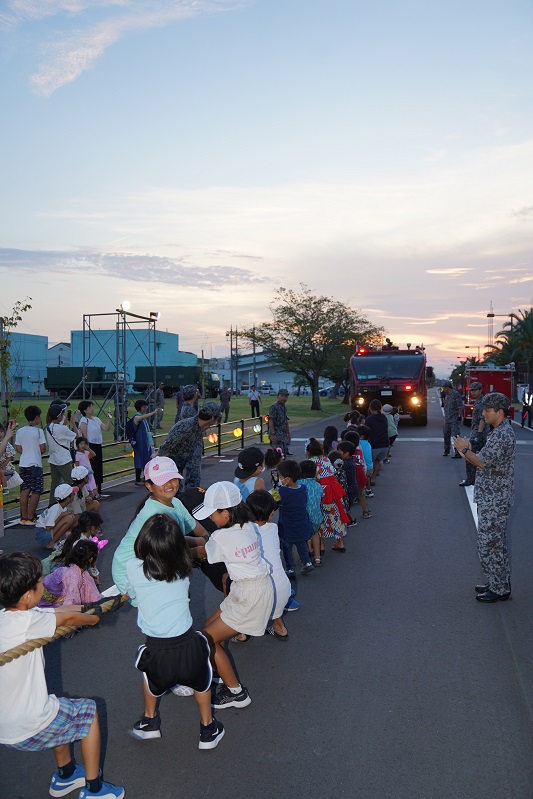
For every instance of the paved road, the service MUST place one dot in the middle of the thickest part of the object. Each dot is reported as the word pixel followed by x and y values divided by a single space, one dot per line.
pixel 394 684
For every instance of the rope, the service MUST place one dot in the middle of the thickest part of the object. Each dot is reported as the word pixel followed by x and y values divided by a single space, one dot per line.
pixel 65 629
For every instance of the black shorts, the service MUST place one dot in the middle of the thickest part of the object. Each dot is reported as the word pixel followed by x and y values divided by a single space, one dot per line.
pixel 183 660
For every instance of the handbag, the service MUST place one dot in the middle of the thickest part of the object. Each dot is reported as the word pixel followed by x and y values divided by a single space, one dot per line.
pixel 14 481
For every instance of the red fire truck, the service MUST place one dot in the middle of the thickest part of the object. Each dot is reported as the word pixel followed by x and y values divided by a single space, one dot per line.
pixel 392 375
pixel 492 378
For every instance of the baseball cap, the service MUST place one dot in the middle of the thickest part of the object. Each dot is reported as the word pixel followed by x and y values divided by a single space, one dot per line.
pixel 160 470
pixel 495 400
pixel 79 472
pixel 476 385
pixel 283 391
pixel 387 409
pixel 63 491
pixel 209 410
pixel 218 497
pixel 447 384
pixel 189 391
pixel 249 459
pixel 57 408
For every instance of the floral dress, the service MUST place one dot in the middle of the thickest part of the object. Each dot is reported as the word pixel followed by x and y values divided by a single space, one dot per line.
pixel 68 585
pixel 335 517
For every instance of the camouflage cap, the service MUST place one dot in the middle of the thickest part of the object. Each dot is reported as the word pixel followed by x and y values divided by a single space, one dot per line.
pixel 210 410
pixel 447 384
pixel 476 386
pixel 189 392
pixel 495 400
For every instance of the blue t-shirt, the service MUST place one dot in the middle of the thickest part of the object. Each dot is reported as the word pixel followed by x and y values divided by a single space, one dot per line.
pixel 294 522
pixel 125 551
pixel 247 487
pixel 163 608
pixel 314 500
pixel 367 452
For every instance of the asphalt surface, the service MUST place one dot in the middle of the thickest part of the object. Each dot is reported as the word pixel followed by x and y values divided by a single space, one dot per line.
pixel 394 683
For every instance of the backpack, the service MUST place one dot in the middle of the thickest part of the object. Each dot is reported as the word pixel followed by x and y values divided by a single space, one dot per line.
pixel 131 431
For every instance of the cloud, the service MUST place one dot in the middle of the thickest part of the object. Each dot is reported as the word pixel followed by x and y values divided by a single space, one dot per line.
pixel 523 214
pixel 76 50
pixel 451 272
pixel 168 271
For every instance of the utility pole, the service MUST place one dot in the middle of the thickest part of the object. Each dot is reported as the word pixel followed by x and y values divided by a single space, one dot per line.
pixel 230 335
pixel 236 362
pixel 254 366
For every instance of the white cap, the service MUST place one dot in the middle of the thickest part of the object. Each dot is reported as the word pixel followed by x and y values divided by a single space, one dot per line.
pixel 63 491
pixel 79 472
pixel 160 470
pixel 218 497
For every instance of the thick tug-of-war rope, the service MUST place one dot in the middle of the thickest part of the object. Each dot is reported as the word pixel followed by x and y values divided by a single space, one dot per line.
pixel 109 605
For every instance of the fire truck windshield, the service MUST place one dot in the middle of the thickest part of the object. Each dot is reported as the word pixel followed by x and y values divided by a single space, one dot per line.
pixel 387 365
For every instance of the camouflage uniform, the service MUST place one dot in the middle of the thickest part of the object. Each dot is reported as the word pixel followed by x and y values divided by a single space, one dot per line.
pixel 453 406
pixel 477 440
pixel 278 414
pixel 183 444
pixel 494 495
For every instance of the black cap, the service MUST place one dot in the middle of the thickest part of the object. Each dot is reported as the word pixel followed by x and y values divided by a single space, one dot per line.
pixel 249 459
pixel 56 408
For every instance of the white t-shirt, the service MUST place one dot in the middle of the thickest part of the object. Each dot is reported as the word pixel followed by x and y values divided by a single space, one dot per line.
pixel 49 517
pixel 94 429
pixel 59 456
pixel 27 708
pixel 30 438
pixel 239 548
pixel 79 503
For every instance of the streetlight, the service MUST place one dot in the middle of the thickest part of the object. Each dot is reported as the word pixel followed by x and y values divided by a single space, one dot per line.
pixel 468 347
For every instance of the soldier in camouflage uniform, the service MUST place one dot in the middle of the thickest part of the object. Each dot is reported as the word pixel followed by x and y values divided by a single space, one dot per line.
pixel 453 410
pixel 478 435
pixel 278 423
pixel 494 495
pixel 184 443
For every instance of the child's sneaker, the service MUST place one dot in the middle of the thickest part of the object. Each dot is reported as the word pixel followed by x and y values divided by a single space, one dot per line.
pixel 107 791
pixel 147 728
pixel 209 737
pixel 224 698
pixel 291 605
pixel 289 572
pixel 369 492
pixel 308 568
pixel 61 786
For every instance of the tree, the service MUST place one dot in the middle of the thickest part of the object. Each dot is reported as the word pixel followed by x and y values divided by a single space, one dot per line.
pixel 7 324
pixel 517 340
pixel 309 335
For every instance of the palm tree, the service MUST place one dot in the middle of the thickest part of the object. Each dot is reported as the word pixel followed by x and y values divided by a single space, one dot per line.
pixel 517 339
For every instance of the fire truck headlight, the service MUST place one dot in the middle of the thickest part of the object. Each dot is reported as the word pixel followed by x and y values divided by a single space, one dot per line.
pixel 360 400
pixel 415 401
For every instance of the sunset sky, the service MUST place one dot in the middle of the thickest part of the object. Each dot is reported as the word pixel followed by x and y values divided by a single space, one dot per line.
pixel 192 157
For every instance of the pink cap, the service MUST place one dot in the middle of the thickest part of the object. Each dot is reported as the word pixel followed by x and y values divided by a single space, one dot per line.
pixel 161 470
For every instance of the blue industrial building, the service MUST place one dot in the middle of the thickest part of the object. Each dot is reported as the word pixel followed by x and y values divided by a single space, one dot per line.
pixel 101 350
pixel 28 364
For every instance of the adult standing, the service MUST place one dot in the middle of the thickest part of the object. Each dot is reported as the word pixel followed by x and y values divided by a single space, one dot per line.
pixel 178 396
pixel 159 405
pixel 378 438
pixel 225 399
pixel 91 428
pixel 189 406
pixel 60 438
pixel 527 407
pixel 144 442
pixel 254 397
pixel 120 402
pixel 453 411
pixel 278 423
pixel 494 495
pixel 184 443
pixel 478 434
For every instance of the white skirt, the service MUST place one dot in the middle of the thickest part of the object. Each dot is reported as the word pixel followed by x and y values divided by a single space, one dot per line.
pixel 248 606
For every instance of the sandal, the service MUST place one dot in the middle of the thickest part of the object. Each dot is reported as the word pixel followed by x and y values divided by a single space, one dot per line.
pixel 367 514
pixel 338 549
pixel 271 631
pixel 317 562
pixel 237 640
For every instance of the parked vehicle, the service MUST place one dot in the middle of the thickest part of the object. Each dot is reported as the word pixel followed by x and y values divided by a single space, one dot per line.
pixel 492 378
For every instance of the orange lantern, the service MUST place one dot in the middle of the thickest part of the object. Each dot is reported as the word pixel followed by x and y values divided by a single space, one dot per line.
pixel 266 419
pixel 212 438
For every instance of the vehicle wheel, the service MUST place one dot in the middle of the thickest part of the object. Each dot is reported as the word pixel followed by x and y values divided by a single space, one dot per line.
pixel 62 394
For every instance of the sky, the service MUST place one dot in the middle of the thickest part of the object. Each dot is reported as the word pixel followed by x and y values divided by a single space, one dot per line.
pixel 192 156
